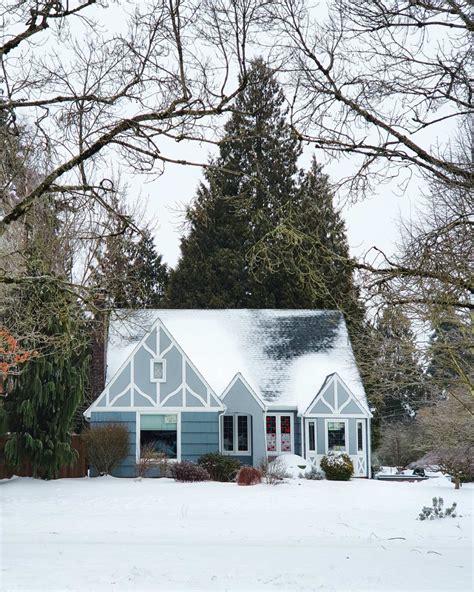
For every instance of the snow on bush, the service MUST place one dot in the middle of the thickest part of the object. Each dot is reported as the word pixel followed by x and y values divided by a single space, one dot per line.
pixel 436 510
pixel 293 465
pixel 314 475
pixel 337 466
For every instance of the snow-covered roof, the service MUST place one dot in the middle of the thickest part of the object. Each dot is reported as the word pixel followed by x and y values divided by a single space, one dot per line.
pixel 285 355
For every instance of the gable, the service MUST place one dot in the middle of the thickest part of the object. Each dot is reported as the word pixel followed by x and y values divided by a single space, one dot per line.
pixel 182 386
pixel 240 397
pixel 335 398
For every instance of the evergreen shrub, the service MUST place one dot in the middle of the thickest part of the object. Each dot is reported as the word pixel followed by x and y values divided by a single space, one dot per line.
pixel 436 510
pixel 220 466
pixel 337 466
pixel 186 471
pixel 107 446
pixel 249 476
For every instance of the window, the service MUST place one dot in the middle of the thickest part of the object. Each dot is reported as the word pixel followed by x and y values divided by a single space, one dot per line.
pixel 162 432
pixel 236 434
pixel 311 437
pixel 336 436
pixel 360 436
pixel 279 433
pixel 157 370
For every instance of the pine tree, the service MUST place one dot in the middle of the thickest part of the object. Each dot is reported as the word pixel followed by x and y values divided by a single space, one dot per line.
pixel 263 237
pixel 130 271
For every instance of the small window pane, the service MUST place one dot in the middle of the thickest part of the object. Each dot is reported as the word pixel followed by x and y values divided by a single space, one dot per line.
pixel 311 436
pixel 158 370
pixel 285 426
pixel 271 433
pixel 242 433
pixel 228 433
pixel 360 436
pixel 336 436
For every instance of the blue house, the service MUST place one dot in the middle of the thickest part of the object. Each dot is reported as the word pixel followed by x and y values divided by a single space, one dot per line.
pixel 254 384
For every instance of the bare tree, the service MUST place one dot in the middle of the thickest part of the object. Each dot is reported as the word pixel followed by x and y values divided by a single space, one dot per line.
pixel 96 99
pixel 383 80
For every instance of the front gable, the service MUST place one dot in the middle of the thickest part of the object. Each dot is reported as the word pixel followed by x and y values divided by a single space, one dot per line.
pixel 335 398
pixel 241 396
pixel 133 386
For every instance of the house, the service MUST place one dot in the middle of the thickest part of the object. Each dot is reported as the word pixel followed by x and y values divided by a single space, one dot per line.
pixel 253 384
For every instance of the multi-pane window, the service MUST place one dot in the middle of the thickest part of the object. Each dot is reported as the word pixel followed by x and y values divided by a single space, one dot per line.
pixel 157 370
pixel 336 436
pixel 236 434
pixel 360 436
pixel 160 432
pixel 279 433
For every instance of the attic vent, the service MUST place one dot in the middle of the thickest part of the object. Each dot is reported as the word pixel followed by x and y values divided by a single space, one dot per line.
pixel 158 370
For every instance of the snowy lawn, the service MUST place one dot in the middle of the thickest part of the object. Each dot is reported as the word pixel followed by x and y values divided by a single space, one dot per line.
pixel 125 534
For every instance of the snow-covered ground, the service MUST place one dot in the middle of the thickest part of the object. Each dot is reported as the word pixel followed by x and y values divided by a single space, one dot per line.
pixel 155 534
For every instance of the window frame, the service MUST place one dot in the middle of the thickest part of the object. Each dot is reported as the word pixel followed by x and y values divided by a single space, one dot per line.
pixel 138 429
pixel 152 365
pixel 314 422
pixel 364 437
pixel 278 450
pixel 346 433
pixel 235 427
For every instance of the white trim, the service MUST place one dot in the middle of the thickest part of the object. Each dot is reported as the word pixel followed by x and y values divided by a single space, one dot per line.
pixel 235 427
pixel 157 410
pixel 178 432
pixel 346 433
pixel 336 409
pixel 343 415
pixel 364 436
pixel 239 376
pixel 153 361
pixel 278 451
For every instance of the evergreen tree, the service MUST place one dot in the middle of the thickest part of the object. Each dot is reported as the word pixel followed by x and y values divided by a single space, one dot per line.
pixel 263 237
pixel 130 271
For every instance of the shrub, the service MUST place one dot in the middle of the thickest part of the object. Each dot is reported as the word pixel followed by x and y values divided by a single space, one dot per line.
pixel 314 475
pixel 220 466
pixel 187 471
pixel 276 472
pixel 249 476
pixel 337 466
pixel 151 459
pixel 436 510
pixel 107 446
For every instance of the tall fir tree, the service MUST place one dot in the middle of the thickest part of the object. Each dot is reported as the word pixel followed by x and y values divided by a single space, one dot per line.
pixel 259 235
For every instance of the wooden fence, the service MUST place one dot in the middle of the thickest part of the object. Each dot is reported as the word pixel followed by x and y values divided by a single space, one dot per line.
pixel 78 469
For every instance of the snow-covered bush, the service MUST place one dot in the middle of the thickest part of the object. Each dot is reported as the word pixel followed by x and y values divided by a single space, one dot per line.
pixel 276 472
pixel 249 476
pixel 188 471
pixel 107 446
pixel 337 466
pixel 313 474
pixel 220 466
pixel 436 510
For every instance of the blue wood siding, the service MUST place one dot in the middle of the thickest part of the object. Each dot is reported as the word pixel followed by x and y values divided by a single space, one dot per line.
pixel 199 434
pixel 127 467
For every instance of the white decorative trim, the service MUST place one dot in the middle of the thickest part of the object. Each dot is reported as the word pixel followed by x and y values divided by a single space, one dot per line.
pixel 336 409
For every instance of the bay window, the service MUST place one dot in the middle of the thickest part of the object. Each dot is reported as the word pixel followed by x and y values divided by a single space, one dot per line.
pixel 279 433
pixel 236 434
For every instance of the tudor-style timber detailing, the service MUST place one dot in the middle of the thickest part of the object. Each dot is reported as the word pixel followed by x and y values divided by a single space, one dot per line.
pixel 133 388
pixel 254 384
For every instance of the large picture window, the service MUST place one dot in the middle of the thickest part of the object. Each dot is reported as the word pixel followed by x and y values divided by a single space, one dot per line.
pixel 279 433
pixel 336 431
pixel 236 434
pixel 161 431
